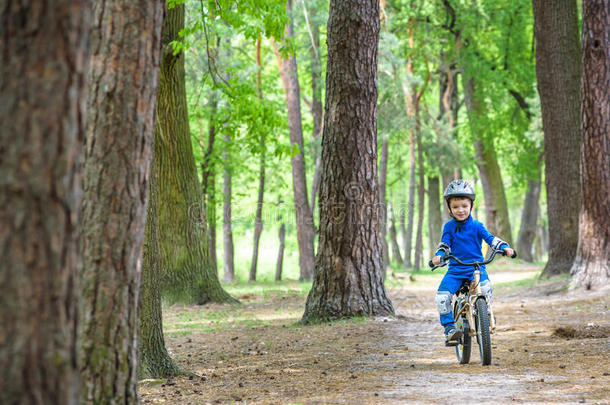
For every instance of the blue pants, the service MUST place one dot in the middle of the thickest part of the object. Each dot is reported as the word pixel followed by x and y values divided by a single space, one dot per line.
pixel 449 285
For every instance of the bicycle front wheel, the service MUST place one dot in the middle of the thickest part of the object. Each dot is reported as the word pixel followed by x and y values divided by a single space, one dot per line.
pixel 462 349
pixel 483 335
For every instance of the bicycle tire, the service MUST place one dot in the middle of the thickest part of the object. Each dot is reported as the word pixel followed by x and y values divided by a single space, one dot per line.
pixel 464 346
pixel 483 335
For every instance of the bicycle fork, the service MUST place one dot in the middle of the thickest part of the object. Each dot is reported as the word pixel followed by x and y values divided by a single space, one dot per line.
pixel 476 292
pixel 469 307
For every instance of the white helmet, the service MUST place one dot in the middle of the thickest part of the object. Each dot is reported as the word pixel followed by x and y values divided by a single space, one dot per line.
pixel 459 188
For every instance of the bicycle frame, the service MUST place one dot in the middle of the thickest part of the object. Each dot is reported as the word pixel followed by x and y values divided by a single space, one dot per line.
pixel 474 293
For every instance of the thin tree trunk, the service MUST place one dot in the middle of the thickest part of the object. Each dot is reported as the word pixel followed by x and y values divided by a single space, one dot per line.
pixel 410 99
pixel 258 221
pixel 208 175
pixel 115 192
pixel 448 112
pixel 316 104
pixel 419 248
pixel 394 241
pixel 280 254
pixel 591 269
pixel 348 278
pixel 383 211
pixel 153 359
pixel 43 95
pixel 189 273
pixel 435 223
pixel 496 207
pixel 227 231
pixel 304 219
pixel 403 232
pixel 529 220
pixel 558 72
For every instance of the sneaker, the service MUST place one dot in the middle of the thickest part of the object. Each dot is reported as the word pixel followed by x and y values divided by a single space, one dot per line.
pixel 452 335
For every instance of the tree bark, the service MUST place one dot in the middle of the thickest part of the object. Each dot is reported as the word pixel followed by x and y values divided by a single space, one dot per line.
pixel 591 268
pixel 558 68
pixel 403 232
pixel 417 262
pixel 408 234
pixel 43 95
pixel 383 211
pixel 122 91
pixel 529 220
pixel 496 207
pixel 280 254
pixel 449 106
pixel 316 105
pixel 258 221
pixel 348 278
pixel 394 241
pixel 187 265
pixel 227 225
pixel 304 218
pixel 435 222
pixel 153 359
pixel 208 183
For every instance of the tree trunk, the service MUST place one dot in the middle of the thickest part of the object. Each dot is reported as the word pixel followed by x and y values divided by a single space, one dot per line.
pixel 316 104
pixel 407 241
pixel 448 112
pixel 187 265
pixel 348 278
pixel 410 97
pixel 115 192
pixel 304 219
pixel 496 207
pixel 529 220
pixel 44 50
pixel 558 71
pixel 543 235
pixel 435 222
pixel 153 359
pixel 419 248
pixel 280 254
pixel 393 239
pixel 211 218
pixel 403 232
pixel 208 183
pixel 227 231
pixel 258 221
pixel 383 211
pixel 591 269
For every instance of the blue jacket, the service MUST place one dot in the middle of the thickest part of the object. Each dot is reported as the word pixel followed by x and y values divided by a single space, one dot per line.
pixel 465 239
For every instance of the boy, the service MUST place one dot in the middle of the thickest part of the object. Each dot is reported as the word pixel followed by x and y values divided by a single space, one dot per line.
pixel 462 237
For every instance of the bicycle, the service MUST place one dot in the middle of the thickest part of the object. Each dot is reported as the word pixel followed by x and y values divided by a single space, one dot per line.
pixel 472 312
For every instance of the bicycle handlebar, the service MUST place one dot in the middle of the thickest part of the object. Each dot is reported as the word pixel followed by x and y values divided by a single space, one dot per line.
pixel 450 256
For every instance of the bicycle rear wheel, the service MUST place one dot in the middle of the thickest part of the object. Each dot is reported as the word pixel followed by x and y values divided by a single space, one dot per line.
pixel 462 350
pixel 483 335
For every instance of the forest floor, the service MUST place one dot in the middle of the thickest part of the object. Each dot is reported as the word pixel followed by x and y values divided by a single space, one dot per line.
pixel 550 346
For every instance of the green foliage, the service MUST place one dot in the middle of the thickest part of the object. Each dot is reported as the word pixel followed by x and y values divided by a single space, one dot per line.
pixel 219 40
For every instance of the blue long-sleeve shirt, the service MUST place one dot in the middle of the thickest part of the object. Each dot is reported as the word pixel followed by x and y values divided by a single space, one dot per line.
pixel 465 239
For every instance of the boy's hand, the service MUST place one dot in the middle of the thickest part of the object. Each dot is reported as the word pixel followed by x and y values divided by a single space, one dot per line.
pixel 509 252
pixel 436 260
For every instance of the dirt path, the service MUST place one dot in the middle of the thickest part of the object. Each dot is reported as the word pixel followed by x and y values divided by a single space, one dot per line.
pixel 550 347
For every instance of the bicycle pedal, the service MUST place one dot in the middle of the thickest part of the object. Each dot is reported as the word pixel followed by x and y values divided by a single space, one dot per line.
pixel 451 343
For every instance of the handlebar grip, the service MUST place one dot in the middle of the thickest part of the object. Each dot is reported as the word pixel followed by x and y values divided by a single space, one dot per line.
pixel 515 254
pixel 431 264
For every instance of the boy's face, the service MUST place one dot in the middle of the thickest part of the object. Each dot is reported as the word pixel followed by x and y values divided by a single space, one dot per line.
pixel 460 208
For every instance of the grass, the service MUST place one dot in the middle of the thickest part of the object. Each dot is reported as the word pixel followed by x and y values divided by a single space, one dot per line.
pixel 269 288
pixel 528 282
